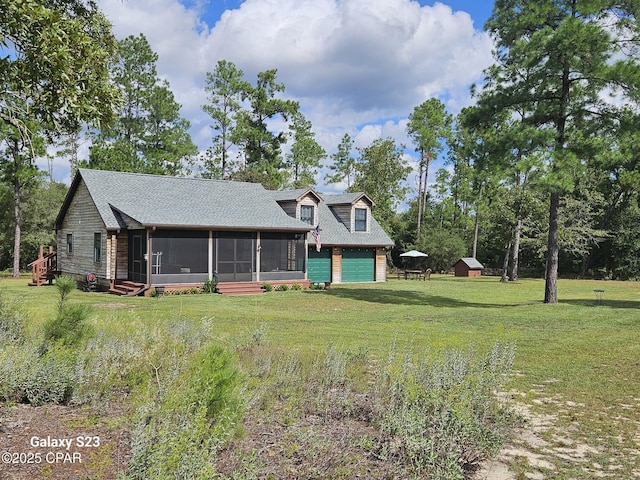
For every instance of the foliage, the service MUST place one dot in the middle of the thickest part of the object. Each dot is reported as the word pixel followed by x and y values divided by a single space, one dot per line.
pixel 306 154
pixel 567 50
pixel 69 327
pixel 443 411
pixel 381 169
pixel 182 427
pixel 57 64
pixel 444 248
pixel 225 89
pixel 430 127
pixel 148 134
pixel 344 164
pixel 209 286
pixel 11 323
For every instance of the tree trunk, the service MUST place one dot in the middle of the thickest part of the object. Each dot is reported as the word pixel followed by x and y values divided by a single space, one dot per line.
pixel 515 251
pixel 476 228
pixel 551 273
pixel 17 216
pixel 420 204
pixel 505 264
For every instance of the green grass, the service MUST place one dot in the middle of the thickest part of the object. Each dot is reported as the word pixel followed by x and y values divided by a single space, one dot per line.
pixel 579 350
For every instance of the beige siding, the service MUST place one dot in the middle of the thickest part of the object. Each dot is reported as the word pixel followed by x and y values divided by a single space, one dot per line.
pixel 309 200
pixel 381 265
pixel 82 220
pixel 336 264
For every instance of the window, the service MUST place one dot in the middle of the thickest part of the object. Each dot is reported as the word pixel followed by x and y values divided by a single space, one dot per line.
pixel 282 252
pixel 180 252
pixel 306 214
pixel 97 247
pixel 361 220
pixel 69 242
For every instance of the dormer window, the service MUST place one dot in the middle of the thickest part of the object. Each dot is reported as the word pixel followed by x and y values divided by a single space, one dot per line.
pixel 360 223
pixel 307 214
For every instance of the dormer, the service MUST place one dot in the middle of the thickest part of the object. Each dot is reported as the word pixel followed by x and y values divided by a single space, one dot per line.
pixel 353 210
pixel 301 204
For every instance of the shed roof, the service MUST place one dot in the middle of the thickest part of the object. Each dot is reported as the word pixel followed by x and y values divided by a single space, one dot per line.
pixel 163 201
pixel 471 262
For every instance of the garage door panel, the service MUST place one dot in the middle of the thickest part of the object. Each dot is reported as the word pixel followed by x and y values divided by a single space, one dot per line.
pixel 319 265
pixel 358 265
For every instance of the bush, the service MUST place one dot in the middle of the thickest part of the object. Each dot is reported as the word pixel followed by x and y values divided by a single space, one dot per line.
pixel 182 427
pixel 11 323
pixel 69 327
pixel 267 287
pixel 443 412
pixel 209 286
pixel 65 285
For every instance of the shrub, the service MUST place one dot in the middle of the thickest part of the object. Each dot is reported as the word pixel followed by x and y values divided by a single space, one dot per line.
pixel 11 323
pixel 182 427
pixel 68 327
pixel 267 287
pixel 209 286
pixel 443 412
pixel 65 285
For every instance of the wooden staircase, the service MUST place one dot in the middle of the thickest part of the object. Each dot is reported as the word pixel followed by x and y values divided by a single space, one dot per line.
pixel 239 288
pixel 254 288
pixel 126 288
pixel 45 268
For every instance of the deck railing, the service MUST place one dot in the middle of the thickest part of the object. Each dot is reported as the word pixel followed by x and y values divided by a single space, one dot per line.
pixel 44 269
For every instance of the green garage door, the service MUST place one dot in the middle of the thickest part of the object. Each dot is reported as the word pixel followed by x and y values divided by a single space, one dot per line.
pixel 319 266
pixel 358 264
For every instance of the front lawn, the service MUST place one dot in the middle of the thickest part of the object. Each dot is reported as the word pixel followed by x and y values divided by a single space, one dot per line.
pixel 577 363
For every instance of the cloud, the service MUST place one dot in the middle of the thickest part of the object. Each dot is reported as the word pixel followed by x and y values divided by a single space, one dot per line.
pixel 355 66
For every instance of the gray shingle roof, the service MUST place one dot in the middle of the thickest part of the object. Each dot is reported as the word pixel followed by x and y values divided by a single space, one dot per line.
pixel 334 232
pixel 154 200
pixel 471 262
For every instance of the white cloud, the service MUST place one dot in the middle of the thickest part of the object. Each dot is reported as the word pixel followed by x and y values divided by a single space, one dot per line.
pixel 352 64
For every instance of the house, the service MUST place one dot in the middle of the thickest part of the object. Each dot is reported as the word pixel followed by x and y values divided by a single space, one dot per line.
pixel 352 243
pixel 468 267
pixel 134 231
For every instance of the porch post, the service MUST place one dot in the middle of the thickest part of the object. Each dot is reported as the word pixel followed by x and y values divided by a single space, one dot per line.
pixel 258 249
pixel 210 255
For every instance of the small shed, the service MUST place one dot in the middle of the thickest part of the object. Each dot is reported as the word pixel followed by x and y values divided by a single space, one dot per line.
pixel 468 267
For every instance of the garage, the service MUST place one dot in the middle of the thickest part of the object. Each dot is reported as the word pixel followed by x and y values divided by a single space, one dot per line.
pixel 319 265
pixel 358 264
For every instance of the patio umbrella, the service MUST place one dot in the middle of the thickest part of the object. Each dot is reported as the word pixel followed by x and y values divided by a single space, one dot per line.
pixel 414 254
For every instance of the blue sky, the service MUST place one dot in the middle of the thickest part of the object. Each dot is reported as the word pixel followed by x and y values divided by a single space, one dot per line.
pixel 355 66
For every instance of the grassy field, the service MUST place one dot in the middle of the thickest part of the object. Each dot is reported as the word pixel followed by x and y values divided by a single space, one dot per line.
pixel 577 362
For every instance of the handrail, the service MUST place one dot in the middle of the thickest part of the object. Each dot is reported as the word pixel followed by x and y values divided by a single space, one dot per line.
pixel 43 268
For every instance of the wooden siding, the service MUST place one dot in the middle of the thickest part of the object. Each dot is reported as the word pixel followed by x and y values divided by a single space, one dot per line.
pixel 343 212
pixel 461 269
pixel 381 265
pixel 336 264
pixel 290 208
pixel 308 200
pixel 82 220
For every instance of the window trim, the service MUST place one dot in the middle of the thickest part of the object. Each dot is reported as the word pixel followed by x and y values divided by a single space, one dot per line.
pixel 97 247
pixel 358 221
pixel 310 220
pixel 70 243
